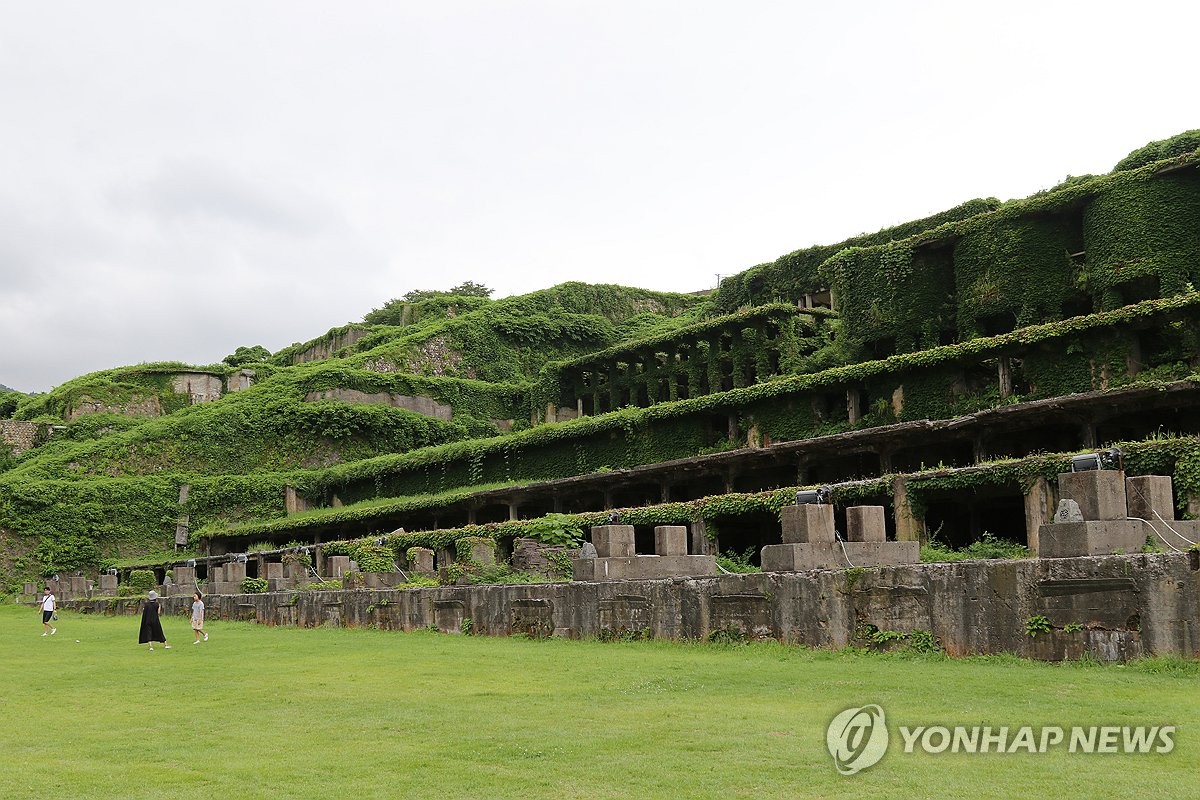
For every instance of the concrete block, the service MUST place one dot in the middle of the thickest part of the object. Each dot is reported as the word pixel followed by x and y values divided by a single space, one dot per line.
pixel 184 575
pixel 613 541
pixel 1069 539
pixel 294 570
pixel 866 524
pixel 108 584
pixel 806 556
pixel 421 560
pixel 337 566
pixel 629 568
pixel 483 553
pixel 1100 493
pixel 808 523
pixel 1149 497
pixel 670 540
pixel 235 571
pixel 274 570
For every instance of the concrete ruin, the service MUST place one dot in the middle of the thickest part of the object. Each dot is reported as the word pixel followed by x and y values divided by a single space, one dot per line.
pixel 1109 607
pixel 810 541
pixel 616 558
pixel 1103 512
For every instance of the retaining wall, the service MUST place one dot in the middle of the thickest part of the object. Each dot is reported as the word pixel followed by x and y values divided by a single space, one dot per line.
pixel 1113 607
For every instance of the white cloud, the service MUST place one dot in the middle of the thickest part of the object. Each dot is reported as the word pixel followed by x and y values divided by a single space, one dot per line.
pixel 180 180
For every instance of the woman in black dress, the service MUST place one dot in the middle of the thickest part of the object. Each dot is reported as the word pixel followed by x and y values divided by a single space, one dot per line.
pixel 152 631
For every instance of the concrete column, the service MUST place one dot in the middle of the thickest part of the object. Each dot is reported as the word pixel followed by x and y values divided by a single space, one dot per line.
pixel 664 492
pixel 1041 501
pixel 613 541
pixel 1149 497
pixel 853 405
pixel 512 511
pixel 865 524
pixel 670 540
pixel 1004 370
pixel 909 527
pixel 700 544
pixel 293 503
pixel 811 522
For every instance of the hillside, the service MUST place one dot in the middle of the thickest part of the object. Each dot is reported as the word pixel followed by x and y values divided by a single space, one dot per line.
pixel 413 415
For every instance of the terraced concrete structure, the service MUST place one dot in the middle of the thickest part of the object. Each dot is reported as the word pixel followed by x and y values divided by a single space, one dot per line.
pixel 940 373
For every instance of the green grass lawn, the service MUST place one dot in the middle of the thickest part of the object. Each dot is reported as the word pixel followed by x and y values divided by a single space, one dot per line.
pixel 279 713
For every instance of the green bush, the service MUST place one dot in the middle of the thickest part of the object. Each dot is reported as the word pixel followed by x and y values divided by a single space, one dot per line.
pixel 254 585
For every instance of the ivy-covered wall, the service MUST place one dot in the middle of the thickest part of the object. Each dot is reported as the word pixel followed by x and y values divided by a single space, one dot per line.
pixel 1093 244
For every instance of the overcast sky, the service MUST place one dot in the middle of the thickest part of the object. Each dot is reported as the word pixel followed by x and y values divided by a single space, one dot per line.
pixel 179 179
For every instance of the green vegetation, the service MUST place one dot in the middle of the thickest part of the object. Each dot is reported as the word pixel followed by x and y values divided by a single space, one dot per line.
pixel 414 711
pixel 440 395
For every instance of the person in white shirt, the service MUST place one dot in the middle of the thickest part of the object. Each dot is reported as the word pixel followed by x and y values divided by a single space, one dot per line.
pixel 49 606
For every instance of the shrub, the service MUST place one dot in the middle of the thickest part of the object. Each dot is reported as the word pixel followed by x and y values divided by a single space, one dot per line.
pixel 254 585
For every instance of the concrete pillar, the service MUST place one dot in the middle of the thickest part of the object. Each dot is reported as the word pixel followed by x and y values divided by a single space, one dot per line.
pixel 1149 497
pixel 483 552
pixel 337 566
pixel 1041 501
pixel 274 570
pixel 700 544
pixel 909 527
pixel 1004 370
pixel 664 492
pixel 613 541
pixel 853 405
pixel 811 522
pixel 670 540
pixel 293 503
pixel 866 524
pixel 512 511
pixel 420 560
pixel 1100 493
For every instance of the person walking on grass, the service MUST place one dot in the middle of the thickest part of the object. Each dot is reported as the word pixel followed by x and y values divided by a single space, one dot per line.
pixel 151 630
pixel 198 618
pixel 49 612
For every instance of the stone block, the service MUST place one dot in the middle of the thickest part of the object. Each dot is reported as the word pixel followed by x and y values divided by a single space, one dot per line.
pixel 184 575
pixel 483 552
pixel 613 541
pixel 1095 538
pixel 294 570
pixel 421 560
pixel 1149 497
pixel 670 540
pixel 274 570
pixel 108 584
pixel 629 568
pixel 235 571
pixel 337 566
pixel 866 524
pixel 806 556
pixel 1100 493
pixel 811 522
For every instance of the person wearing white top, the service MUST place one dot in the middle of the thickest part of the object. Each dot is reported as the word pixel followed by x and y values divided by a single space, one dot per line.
pixel 49 606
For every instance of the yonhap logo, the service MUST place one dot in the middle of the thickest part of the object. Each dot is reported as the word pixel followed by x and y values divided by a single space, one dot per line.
pixel 857 738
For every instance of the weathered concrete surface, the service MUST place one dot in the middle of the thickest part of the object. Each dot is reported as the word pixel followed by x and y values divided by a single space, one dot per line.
pixel 1100 493
pixel 837 555
pixel 1124 606
pixel 421 405
pixel 1069 539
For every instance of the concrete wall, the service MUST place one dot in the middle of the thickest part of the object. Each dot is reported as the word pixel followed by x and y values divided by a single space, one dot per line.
pixel 421 405
pixel 1127 606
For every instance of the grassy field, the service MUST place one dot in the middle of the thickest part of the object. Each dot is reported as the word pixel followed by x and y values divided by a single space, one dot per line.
pixel 279 713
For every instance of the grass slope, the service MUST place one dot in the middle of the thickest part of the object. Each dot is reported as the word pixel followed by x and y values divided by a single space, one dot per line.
pixel 272 712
